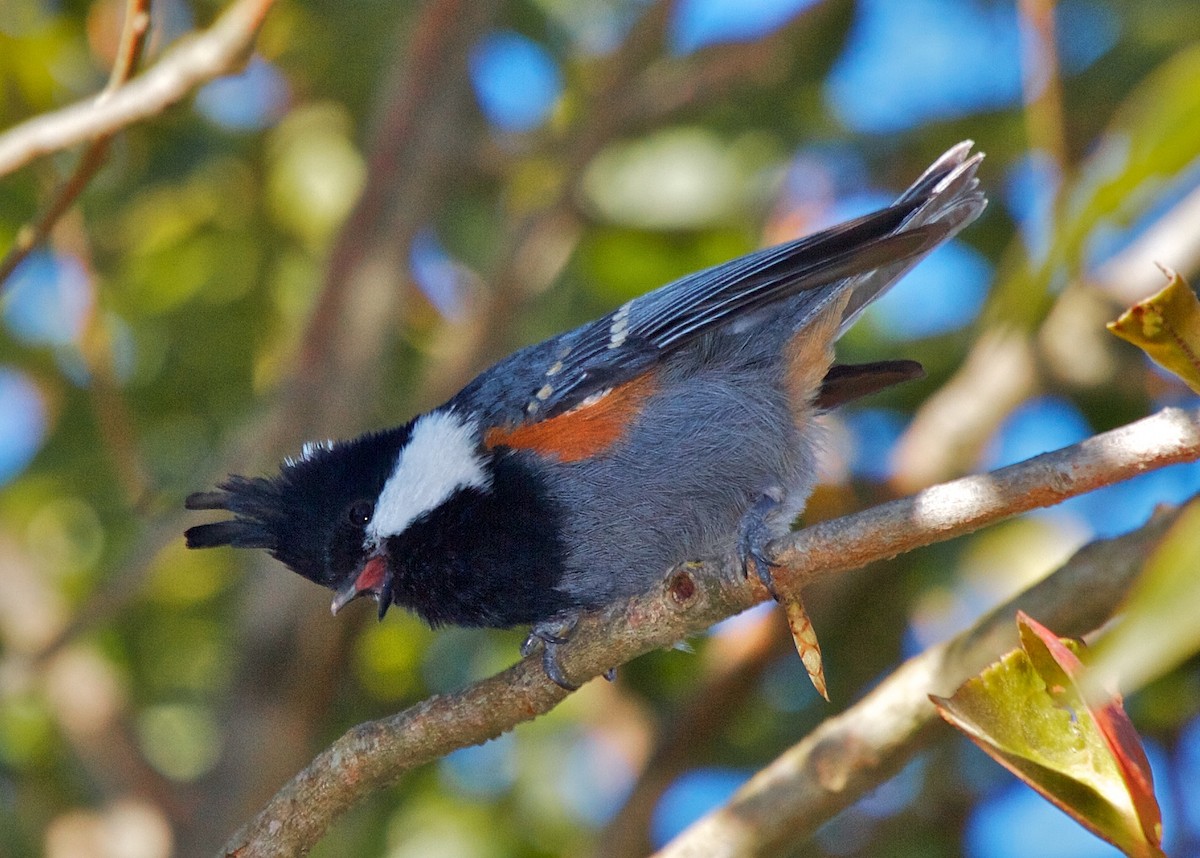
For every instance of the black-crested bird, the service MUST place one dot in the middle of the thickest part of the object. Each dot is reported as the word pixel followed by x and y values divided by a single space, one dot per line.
pixel 578 471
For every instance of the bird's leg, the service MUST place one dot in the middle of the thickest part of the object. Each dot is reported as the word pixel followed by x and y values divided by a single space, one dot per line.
pixel 753 535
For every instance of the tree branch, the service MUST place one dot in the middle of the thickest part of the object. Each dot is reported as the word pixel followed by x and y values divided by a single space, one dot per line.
pixel 850 754
pixel 129 53
pixel 965 505
pixel 378 753
pixel 413 147
pixel 192 61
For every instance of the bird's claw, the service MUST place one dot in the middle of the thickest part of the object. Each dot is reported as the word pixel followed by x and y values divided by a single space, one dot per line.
pixel 753 536
pixel 550 635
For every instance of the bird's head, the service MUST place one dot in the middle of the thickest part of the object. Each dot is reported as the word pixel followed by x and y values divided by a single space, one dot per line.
pixel 315 516
pixel 331 514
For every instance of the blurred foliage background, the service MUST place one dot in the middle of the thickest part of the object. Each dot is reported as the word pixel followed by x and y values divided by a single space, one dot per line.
pixel 389 196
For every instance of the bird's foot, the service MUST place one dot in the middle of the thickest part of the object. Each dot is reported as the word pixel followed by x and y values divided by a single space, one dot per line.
pixel 549 635
pixel 754 533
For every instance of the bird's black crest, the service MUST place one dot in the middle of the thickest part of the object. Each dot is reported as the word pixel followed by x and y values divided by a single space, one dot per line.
pixel 294 515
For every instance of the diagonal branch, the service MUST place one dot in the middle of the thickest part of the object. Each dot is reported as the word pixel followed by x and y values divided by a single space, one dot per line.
pixel 129 54
pixel 411 152
pixel 192 61
pixel 378 753
pixel 850 754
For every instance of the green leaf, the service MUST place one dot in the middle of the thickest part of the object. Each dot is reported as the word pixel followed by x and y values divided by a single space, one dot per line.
pixel 1150 141
pixel 1166 326
pixel 1158 629
pixel 1028 712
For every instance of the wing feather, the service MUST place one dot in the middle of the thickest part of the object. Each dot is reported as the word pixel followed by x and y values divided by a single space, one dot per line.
pixel 865 256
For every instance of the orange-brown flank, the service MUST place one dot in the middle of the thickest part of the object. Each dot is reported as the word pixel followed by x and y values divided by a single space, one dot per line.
pixel 582 432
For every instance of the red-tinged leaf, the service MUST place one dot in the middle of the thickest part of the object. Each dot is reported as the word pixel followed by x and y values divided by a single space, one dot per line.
pixel 1114 725
pixel 1028 713
pixel 1127 750
pixel 1039 642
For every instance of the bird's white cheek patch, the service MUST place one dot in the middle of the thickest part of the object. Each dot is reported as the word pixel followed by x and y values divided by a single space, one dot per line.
pixel 441 457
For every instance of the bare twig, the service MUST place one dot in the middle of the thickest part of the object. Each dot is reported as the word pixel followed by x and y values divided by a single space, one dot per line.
pixel 378 753
pixel 1041 80
pixel 191 62
pixel 855 751
pixel 129 53
pixel 967 504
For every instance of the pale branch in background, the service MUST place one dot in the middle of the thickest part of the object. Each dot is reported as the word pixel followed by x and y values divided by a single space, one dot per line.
pixel 378 753
pixel 191 62
pixel 1171 239
pixel 853 752
pixel 129 53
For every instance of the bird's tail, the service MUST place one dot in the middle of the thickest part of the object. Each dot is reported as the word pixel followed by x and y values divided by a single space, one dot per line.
pixel 947 194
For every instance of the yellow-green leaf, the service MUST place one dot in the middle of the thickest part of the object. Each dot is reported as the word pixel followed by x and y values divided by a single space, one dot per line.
pixel 1166 326
pixel 1028 713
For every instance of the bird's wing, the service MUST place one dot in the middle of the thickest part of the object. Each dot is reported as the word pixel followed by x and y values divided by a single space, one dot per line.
pixel 865 256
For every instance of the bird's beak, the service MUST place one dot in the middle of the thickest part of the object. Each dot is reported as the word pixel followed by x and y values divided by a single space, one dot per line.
pixel 373 579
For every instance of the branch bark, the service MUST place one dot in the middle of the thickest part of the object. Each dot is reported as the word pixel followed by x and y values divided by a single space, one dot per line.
pixel 850 754
pixel 378 753
pixel 191 62
pixel 129 54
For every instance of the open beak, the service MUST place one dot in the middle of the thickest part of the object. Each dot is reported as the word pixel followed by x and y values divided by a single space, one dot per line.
pixel 373 579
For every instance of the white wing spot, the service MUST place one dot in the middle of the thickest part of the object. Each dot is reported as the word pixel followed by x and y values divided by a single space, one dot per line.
pixel 618 330
pixel 555 368
pixel 545 392
pixel 441 458
pixel 593 398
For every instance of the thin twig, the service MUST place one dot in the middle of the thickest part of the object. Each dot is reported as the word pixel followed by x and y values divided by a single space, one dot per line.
pixel 1042 82
pixel 378 753
pixel 193 61
pixel 435 55
pixel 129 54
pixel 965 505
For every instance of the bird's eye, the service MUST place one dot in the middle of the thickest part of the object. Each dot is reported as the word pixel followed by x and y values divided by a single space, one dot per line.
pixel 360 512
